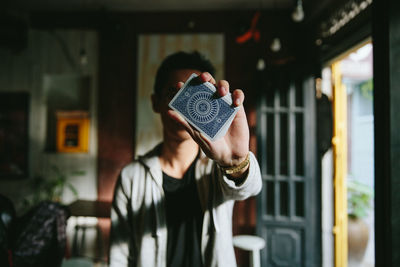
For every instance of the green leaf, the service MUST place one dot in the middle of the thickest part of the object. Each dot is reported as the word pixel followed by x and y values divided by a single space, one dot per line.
pixel 359 198
pixel 73 190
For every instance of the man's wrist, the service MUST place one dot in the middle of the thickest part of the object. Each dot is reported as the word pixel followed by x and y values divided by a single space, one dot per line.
pixel 237 169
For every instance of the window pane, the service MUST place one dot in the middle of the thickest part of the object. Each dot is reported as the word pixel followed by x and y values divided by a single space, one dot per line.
pixel 270 198
pixel 270 144
pixel 299 94
pixel 284 144
pixel 270 97
pixel 283 96
pixel 284 197
pixel 299 145
pixel 299 189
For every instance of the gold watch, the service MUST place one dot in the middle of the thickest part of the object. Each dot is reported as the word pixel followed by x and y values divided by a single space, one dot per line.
pixel 237 168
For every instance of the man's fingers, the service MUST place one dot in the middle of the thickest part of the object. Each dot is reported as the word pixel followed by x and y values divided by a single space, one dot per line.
pixel 223 87
pixel 180 85
pixel 237 97
pixel 207 77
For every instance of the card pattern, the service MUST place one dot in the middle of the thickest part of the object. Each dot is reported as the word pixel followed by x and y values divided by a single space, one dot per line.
pixel 199 105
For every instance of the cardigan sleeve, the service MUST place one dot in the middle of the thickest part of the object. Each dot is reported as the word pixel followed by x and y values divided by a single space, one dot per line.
pixel 120 228
pixel 251 185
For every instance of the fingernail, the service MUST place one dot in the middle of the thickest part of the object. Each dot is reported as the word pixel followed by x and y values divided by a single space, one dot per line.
pixel 237 102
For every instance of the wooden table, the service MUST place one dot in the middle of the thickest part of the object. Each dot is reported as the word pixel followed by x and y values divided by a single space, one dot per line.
pixel 90 208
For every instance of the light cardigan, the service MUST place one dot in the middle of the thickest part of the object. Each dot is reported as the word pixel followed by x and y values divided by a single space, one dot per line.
pixel 139 230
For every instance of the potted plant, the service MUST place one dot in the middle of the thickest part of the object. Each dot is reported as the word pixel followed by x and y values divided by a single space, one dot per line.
pixel 49 188
pixel 359 204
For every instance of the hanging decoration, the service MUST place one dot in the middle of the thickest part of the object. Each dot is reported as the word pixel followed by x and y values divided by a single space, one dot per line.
pixel 276 45
pixel 298 13
pixel 253 32
pixel 343 16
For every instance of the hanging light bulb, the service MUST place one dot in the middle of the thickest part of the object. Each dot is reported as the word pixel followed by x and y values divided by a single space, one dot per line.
pixel 83 58
pixel 276 45
pixel 298 13
pixel 260 64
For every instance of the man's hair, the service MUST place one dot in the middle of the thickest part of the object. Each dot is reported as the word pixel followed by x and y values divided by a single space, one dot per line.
pixel 178 61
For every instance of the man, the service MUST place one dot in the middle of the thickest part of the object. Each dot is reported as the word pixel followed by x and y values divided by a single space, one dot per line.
pixel 173 206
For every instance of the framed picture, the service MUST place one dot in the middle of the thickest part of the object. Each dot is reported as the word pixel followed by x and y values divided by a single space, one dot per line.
pixel 72 131
pixel 14 116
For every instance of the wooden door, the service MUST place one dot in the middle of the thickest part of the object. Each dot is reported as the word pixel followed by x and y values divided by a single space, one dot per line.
pixel 288 210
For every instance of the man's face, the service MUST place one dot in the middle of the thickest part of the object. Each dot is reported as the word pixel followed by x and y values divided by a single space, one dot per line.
pixel 160 102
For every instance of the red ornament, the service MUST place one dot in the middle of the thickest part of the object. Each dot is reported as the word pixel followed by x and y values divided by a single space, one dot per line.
pixel 252 32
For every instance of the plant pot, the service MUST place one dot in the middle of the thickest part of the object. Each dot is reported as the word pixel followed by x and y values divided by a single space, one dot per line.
pixel 357 239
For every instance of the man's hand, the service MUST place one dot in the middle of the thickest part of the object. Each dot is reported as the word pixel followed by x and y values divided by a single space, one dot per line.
pixel 233 148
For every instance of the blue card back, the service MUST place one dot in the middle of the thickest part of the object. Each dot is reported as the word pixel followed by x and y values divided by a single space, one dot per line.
pixel 203 109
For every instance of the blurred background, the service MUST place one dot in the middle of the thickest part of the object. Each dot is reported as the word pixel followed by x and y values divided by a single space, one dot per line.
pixel 319 79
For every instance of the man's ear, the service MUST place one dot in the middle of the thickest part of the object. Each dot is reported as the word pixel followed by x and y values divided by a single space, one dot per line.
pixel 155 103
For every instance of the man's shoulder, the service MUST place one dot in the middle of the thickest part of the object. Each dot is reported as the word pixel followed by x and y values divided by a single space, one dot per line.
pixel 131 168
pixel 141 161
pixel 132 165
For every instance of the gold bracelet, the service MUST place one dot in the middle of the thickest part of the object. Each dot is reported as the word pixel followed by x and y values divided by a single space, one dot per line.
pixel 237 168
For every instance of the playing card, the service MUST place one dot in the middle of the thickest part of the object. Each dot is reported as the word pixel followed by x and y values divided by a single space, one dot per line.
pixel 203 109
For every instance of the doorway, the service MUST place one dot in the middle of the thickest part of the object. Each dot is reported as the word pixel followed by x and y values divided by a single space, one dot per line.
pixel 348 81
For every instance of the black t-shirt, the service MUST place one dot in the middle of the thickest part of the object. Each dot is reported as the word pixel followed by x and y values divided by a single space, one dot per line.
pixel 184 220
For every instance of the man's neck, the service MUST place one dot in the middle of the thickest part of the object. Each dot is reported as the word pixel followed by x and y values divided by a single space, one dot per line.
pixel 176 156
